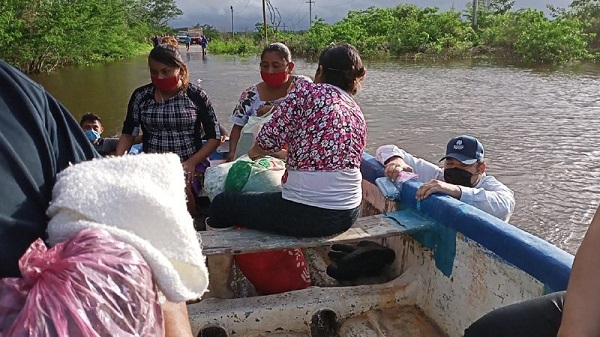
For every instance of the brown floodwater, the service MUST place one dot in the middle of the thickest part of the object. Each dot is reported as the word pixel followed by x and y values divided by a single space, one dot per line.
pixel 539 125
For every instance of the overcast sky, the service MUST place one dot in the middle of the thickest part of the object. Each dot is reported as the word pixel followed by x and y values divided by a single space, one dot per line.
pixel 295 13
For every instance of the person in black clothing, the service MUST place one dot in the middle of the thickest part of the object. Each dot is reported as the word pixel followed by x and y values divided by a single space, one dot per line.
pixel 570 313
pixel 204 42
pixel 38 138
pixel 92 126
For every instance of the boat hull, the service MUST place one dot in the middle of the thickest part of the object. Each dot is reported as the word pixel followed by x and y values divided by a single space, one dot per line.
pixel 463 264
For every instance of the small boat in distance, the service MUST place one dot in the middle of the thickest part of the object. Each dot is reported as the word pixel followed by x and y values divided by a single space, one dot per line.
pixel 453 264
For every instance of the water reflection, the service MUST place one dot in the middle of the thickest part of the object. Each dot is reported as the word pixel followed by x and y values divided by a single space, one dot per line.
pixel 538 125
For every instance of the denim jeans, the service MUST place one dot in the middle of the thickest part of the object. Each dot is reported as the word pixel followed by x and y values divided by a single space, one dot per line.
pixel 268 211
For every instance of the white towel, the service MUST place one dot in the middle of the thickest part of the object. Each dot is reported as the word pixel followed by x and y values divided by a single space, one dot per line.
pixel 139 200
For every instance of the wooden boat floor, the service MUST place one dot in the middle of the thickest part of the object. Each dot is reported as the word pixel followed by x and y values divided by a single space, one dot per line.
pixel 382 320
pixel 404 321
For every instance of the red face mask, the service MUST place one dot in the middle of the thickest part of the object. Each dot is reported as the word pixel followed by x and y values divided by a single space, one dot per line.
pixel 165 84
pixel 274 79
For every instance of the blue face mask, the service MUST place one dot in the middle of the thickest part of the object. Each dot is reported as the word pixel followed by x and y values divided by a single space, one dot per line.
pixel 92 135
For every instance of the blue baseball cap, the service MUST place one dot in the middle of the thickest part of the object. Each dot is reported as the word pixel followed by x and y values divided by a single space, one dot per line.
pixel 466 149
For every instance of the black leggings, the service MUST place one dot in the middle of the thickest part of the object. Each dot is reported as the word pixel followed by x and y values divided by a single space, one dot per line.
pixel 538 317
pixel 268 211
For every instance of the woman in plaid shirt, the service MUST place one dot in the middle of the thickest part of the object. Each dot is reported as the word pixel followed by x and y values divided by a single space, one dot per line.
pixel 174 115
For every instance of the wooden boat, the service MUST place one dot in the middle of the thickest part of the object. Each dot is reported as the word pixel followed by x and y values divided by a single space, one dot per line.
pixel 453 264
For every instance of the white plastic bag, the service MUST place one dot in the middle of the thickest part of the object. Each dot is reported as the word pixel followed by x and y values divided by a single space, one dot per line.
pixel 249 133
pixel 264 176
pixel 214 179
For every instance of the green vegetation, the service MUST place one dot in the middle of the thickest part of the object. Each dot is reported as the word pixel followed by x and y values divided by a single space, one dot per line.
pixel 239 46
pixel 526 35
pixel 41 35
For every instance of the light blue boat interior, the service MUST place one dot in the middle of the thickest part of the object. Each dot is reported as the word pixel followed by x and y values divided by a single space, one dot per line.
pixel 535 256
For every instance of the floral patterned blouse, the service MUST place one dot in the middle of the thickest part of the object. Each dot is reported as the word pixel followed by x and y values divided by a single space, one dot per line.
pixel 323 127
pixel 250 102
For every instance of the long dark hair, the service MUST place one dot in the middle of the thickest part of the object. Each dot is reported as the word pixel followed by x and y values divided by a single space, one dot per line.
pixel 341 65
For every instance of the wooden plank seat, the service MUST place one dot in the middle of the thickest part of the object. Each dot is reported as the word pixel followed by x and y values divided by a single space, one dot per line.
pixel 370 227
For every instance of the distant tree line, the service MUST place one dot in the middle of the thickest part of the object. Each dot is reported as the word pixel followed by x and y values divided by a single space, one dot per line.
pixel 41 35
pixel 526 35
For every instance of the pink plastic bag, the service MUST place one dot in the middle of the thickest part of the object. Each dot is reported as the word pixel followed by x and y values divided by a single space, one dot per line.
pixel 90 285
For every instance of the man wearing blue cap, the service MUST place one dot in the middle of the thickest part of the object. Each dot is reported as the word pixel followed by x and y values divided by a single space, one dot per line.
pixel 462 177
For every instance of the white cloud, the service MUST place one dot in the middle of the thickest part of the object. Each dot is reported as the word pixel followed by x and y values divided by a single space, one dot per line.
pixel 295 13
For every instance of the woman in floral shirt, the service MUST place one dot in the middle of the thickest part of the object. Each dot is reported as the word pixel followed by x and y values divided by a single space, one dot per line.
pixel 276 68
pixel 325 132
